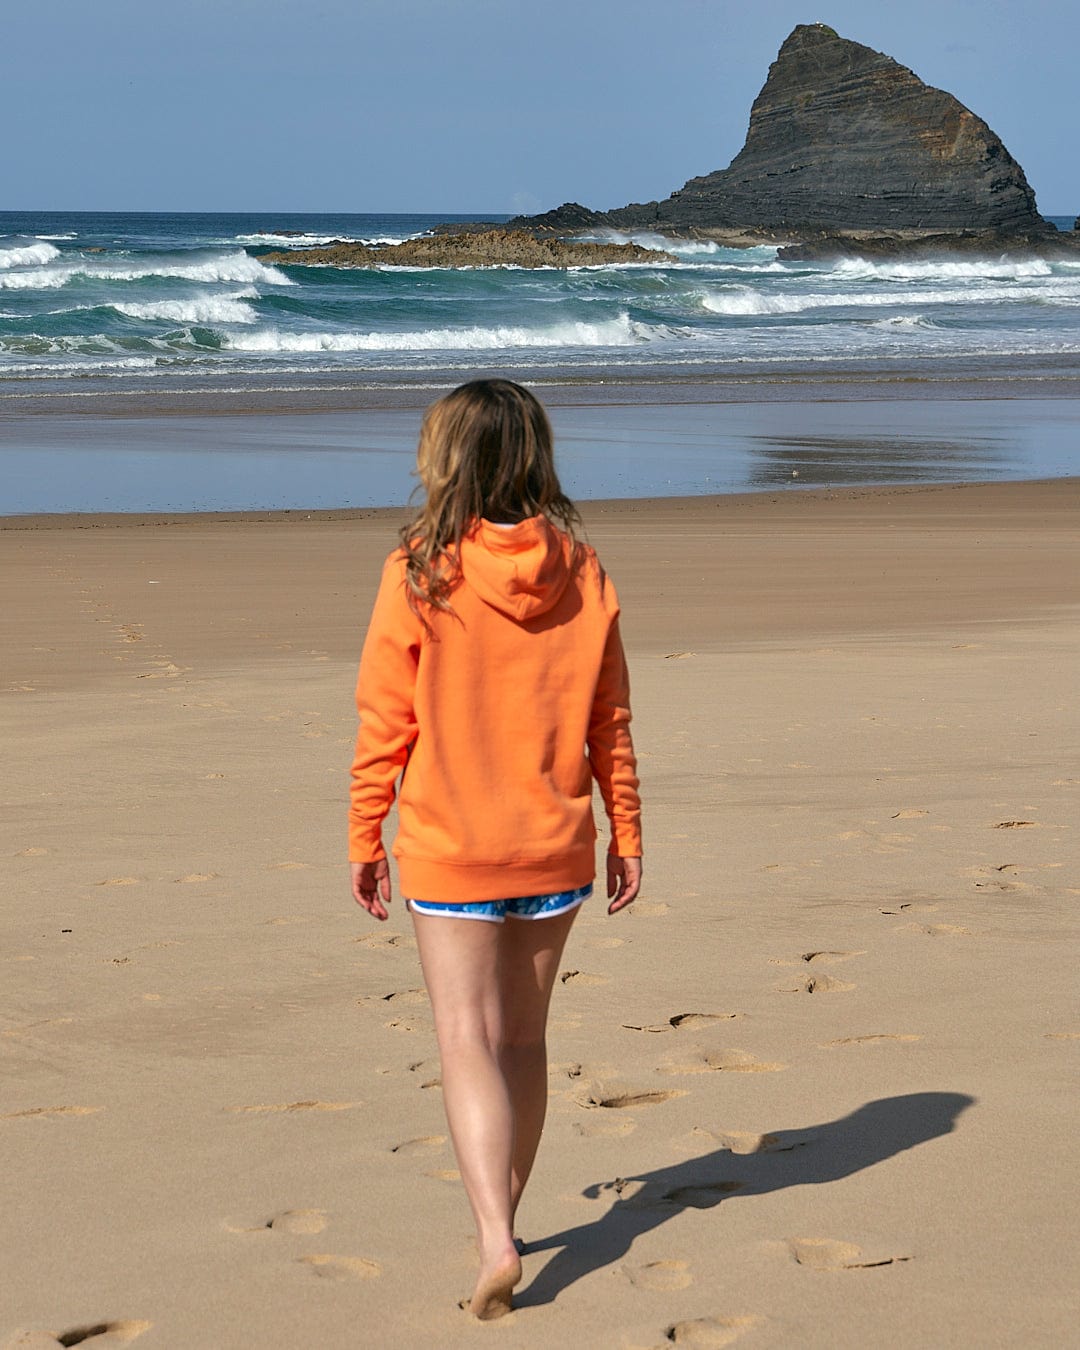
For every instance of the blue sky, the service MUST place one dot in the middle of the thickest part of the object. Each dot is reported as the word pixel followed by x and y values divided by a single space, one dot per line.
pixel 467 105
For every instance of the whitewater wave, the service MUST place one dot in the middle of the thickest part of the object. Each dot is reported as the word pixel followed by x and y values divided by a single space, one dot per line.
pixel 109 365
pixel 319 240
pixel 746 301
pixel 743 300
pixel 215 267
pixel 691 248
pixel 619 332
pixel 904 322
pixel 208 309
pixel 968 269
pixel 97 344
pixel 18 251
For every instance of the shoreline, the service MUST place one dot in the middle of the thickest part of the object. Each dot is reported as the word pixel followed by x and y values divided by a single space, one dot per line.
pixel 609 508
pixel 936 379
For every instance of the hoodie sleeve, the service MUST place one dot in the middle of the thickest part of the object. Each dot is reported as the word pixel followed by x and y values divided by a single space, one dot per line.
pixel 384 700
pixel 611 750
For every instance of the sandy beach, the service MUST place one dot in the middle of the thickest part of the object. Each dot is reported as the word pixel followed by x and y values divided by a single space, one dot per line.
pixel 817 1088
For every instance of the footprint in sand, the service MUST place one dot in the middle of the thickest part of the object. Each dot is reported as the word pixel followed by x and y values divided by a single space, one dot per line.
pixel 648 909
pixel 118 881
pixel 827 1254
pixel 823 958
pixel 876 1038
pixel 381 940
pixel 746 1142
pixel 661 1276
pixel 1062 1035
pixel 287 867
pixel 193 877
pixel 623 1099
pixel 582 977
pixel 909 813
pixel 31 853
pixel 1015 825
pixel 425 1144
pixel 709 1333
pixel 605 1127
pixel 830 958
pixel 936 929
pixel 168 671
pixel 722 1061
pixel 341 1267
pixel 818 984
pixel 274 1108
pixel 397 998
pixel 684 1022
pixel 98 1334
pixel 300 1221
pixel 36 1112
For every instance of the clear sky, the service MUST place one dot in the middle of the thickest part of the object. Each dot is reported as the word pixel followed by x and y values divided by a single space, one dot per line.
pixel 467 105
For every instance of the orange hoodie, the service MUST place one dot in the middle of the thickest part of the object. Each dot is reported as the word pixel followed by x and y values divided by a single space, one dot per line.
pixel 497 721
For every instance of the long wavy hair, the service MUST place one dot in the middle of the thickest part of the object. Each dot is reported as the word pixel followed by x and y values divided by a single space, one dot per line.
pixel 485 452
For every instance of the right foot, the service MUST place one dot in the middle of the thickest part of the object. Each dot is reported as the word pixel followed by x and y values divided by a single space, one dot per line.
pixel 493 1295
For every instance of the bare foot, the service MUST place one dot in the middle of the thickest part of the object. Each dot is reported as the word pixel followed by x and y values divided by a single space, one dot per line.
pixel 493 1295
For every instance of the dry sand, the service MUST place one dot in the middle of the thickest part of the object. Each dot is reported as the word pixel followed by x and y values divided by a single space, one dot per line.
pixel 817 1089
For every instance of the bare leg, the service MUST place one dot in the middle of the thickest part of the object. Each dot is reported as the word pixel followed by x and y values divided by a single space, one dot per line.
pixel 532 950
pixel 461 960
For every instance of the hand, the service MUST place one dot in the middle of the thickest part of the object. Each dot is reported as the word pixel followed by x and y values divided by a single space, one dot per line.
pixel 623 881
pixel 371 886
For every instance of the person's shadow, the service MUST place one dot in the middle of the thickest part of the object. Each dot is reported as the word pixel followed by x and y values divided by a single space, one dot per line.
pixel 808 1157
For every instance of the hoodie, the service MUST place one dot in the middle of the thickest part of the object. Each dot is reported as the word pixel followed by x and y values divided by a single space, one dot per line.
pixel 496 719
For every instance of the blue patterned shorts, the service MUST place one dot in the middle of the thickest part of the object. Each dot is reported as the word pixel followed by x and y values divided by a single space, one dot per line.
pixel 496 911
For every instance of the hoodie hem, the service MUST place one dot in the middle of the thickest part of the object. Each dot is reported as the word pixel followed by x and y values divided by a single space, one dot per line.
pixel 460 883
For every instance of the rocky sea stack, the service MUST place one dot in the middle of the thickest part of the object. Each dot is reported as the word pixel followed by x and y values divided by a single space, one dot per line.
pixel 842 140
pixel 487 248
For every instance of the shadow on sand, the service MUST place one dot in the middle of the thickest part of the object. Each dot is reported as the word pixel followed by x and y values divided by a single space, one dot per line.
pixel 808 1157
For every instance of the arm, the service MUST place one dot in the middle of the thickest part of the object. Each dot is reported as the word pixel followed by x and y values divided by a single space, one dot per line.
pixel 384 700
pixel 614 766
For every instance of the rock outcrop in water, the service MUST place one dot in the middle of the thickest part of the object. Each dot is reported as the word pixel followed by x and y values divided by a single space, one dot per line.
pixel 487 248
pixel 842 138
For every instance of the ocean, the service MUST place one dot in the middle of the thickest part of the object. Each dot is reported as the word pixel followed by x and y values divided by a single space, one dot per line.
pixel 141 314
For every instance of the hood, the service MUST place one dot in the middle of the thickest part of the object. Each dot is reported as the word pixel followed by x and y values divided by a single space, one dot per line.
pixel 520 570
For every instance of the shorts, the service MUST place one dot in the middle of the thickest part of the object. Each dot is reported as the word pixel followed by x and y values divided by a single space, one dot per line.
pixel 496 911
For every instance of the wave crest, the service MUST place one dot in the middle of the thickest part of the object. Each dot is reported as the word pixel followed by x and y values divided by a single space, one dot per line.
pixel 19 251
pixel 618 332
pixel 237 266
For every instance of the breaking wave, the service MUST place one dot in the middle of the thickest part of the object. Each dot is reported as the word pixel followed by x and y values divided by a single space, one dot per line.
pixel 619 332
pixel 973 269
pixel 199 309
pixel 17 251
pixel 237 266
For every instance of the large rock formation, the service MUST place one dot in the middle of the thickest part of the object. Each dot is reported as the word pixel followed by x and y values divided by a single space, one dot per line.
pixel 842 138
pixel 487 248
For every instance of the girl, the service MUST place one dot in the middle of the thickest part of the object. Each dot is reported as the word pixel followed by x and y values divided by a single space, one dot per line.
pixel 493 683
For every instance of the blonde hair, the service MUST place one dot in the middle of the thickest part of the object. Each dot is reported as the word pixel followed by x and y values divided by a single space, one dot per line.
pixel 485 451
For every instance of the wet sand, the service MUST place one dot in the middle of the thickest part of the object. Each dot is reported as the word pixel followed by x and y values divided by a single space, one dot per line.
pixel 818 1087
